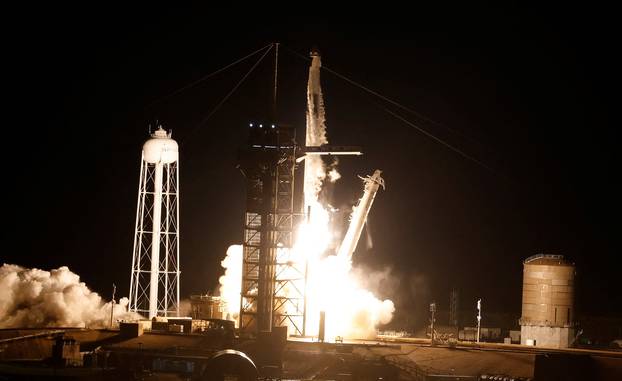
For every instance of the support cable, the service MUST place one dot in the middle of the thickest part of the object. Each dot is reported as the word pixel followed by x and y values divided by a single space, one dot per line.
pixel 462 153
pixel 192 84
pixel 428 134
pixel 276 72
pixel 386 99
pixel 202 122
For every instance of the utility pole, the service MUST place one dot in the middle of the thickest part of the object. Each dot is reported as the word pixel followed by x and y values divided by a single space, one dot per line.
pixel 112 303
pixel 453 307
pixel 432 310
pixel 479 317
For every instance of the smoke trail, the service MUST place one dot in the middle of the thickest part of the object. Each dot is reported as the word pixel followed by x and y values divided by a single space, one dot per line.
pixel 39 298
pixel 315 169
pixel 316 128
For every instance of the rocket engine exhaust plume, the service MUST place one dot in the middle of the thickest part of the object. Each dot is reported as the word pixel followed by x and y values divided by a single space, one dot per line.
pixel 331 287
pixel 350 310
pixel 39 298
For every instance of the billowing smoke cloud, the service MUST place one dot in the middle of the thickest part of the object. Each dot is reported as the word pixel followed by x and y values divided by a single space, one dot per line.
pixel 185 307
pixel 333 174
pixel 351 310
pixel 381 282
pixel 231 281
pixel 39 298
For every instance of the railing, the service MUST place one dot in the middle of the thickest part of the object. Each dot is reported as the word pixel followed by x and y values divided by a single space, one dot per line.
pixel 539 256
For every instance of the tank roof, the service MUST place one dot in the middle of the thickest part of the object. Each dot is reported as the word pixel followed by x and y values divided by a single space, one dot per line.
pixel 547 259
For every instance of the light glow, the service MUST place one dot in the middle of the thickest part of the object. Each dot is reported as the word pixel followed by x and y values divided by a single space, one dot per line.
pixel 351 310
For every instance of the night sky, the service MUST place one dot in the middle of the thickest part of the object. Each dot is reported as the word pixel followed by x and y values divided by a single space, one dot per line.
pixel 530 97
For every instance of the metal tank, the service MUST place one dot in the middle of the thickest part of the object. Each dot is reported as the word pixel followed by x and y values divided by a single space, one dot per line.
pixel 548 301
pixel 160 148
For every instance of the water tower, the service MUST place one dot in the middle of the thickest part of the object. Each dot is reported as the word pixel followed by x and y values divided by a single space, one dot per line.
pixel 548 301
pixel 154 283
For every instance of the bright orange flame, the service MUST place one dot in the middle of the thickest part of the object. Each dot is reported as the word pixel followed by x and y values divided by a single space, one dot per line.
pixel 350 310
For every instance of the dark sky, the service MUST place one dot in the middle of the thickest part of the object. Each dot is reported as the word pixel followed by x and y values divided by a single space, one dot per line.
pixel 531 97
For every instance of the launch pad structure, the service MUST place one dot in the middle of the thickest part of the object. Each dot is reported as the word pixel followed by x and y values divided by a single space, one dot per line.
pixel 273 285
pixel 273 290
pixel 268 163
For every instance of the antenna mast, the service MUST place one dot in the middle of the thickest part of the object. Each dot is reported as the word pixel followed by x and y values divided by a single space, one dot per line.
pixel 112 303
pixel 276 72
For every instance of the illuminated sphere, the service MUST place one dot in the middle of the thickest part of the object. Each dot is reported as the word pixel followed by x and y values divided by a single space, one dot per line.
pixel 160 148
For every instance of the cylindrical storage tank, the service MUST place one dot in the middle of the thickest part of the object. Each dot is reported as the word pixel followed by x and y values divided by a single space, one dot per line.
pixel 160 148
pixel 548 291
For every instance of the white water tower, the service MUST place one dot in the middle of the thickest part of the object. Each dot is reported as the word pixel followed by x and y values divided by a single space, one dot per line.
pixel 154 283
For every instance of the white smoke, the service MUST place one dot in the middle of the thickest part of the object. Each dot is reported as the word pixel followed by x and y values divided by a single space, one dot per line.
pixel 315 169
pixel 185 307
pixel 231 281
pixel 316 127
pixel 39 298
pixel 351 310
pixel 333 175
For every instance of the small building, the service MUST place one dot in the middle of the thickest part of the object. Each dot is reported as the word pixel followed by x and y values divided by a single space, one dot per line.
pixel 207 307
pixel 491 334
pixel 515 336
pixel 130 329
pixel 66 352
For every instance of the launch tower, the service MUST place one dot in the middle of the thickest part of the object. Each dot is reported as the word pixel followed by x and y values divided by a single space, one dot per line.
pixel 267 163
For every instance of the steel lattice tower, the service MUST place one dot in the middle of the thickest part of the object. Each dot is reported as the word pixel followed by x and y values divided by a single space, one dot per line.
pixel 154 282
pixel 272 291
